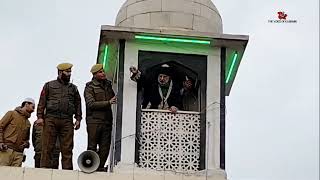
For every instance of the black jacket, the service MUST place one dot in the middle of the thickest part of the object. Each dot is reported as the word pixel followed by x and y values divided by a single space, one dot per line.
pixel 151 94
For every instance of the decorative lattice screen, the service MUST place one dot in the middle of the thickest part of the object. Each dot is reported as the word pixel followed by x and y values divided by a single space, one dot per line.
pixel 169 141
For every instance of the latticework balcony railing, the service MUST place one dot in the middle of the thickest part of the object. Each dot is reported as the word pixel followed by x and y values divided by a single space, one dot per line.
pixel 170 141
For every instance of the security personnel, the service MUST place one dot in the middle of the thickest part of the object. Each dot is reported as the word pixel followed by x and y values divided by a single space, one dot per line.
pixel 14 134
pixel 36 142
pixel 59 102
pixel 99 97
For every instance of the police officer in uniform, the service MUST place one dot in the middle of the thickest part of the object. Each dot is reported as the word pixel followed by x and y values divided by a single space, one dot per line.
pixel 99 97
pixel 36 142
pixel 59 103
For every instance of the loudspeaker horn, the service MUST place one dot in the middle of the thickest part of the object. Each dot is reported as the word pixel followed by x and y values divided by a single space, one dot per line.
pixel 88 161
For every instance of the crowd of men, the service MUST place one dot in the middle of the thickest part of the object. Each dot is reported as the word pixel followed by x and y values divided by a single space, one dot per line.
pixel 60 103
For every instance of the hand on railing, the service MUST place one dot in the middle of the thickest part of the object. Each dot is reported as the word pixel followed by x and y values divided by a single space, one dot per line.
pixel 173 109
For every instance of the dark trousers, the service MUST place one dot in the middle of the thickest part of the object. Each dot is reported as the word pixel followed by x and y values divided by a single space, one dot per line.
pixel 57 128
pixel 55 157
pixel 99 135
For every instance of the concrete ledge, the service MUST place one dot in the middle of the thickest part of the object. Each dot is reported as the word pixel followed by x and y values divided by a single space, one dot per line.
pixel 65 175
pixel 122 172
pixel 11 173
pixel 37 173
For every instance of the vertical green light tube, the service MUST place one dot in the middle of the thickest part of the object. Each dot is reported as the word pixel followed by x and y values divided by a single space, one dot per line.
pixel 105 58
pixel 232 67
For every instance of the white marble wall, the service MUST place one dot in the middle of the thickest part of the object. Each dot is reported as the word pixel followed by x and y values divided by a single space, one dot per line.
pixel 196 15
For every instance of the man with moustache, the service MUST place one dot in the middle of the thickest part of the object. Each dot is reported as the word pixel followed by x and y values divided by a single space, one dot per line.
pixel 14 134
pixel 59 102
pixel 99 97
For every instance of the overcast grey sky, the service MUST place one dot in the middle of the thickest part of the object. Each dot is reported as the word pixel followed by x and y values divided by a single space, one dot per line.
pixel 273 108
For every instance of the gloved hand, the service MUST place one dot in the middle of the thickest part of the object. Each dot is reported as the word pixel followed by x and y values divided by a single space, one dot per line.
pixel 3 147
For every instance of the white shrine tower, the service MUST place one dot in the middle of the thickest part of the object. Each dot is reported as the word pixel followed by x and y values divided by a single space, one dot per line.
pixel 187 35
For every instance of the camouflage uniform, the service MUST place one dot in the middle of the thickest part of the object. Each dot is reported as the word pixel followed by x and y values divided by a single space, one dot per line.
pixel 99 117
pixel 58 103
pixel 36 142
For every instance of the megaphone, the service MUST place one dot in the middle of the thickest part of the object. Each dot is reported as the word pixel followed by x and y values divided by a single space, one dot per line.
pixel 88 161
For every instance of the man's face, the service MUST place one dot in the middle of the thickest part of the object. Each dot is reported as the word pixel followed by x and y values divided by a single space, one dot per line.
pixel 163 79
pixel 30 107
pixel 65 75
pixel 100 75
pixel 187 84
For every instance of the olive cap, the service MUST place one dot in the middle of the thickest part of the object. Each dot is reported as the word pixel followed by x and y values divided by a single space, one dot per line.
pixel 95 68
pixel 64 66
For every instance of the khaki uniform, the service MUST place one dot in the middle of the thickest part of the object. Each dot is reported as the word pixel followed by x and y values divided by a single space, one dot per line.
pixel 58 103
pixel 36 142
pixel 14 132
pixel 99 117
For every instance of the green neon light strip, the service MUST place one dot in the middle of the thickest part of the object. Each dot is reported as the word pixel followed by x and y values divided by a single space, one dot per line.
pixel 105 56
pixel 172 39
pixel 232 66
